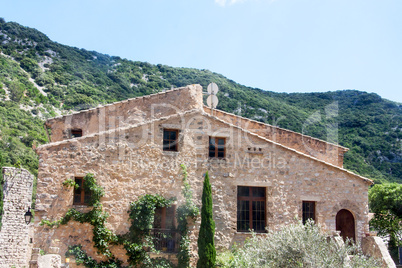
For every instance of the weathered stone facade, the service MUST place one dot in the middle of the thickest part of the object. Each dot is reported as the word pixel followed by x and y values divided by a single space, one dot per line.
pixel 374 246
pixel 326 151
pixel 126 113
pixel 16 235
pixel 128 162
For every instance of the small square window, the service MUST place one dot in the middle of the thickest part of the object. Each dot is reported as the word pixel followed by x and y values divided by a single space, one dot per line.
pixel 308 211
pixel 217 147
pixel 170 139
pixel 80 197
pixel 76 133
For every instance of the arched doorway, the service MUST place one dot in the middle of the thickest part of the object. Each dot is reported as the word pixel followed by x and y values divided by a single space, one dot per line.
pixel 345 222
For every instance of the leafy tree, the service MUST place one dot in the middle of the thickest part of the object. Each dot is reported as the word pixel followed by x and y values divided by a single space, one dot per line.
pixel 386 202
pixel 206 245
pixel 16 91
pixel 28 64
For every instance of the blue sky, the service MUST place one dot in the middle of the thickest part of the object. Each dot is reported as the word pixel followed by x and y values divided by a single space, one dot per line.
pixel 276 45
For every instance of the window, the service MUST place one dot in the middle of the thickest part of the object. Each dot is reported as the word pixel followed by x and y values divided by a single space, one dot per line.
pixel 165 236
pixel 76 133
pixel 80 197
pixel 216 147
pixel 251 208
pixel 170 139
pixel 308 211
pixel 165 218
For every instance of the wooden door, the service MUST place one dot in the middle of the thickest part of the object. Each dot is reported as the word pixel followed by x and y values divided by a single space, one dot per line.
pixel 345 222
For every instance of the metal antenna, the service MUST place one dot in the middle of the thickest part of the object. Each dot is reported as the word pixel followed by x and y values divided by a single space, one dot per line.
pixel 212 100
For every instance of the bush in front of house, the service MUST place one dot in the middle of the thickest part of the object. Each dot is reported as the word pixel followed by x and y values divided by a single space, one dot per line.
pixel 295 245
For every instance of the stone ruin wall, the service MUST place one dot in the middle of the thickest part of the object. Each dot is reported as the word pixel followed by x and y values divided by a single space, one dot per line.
pixel 128 112
pixel 15 234
pixel 127 171
pixel 322 150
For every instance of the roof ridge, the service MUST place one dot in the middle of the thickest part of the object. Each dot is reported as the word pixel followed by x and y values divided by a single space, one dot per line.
pixel 117 129
pixel 261 123
pixel 290 149
pixel 122 101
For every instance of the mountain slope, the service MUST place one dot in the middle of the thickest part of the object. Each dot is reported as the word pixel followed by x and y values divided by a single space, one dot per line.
pixel 40 78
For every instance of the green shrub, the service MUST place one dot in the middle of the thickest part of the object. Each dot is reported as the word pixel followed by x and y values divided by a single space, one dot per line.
pixel 296 245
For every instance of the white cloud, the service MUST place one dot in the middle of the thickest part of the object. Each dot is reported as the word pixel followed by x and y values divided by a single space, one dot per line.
pixel 231 2
pixel 221 2
pixel 227 2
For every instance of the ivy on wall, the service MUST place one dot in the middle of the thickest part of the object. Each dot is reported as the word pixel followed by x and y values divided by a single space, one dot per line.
pixel 138 238
pixel 138 241
pixel 70 183
pixel 186 211
pixel 102 236
pixel 81 257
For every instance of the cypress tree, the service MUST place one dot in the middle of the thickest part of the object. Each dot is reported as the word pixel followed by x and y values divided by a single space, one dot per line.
pixel 206 245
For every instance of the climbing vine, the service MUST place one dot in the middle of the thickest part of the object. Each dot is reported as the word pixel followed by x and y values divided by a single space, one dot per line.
pixel 184 212
pixel 135 242
pixel 138 241
pixel 96 192
pixel 81 257
pixel 142 214
pixel 102 236
pixel 70 183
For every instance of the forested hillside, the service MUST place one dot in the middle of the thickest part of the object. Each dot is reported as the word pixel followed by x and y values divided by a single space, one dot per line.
pixel 40 78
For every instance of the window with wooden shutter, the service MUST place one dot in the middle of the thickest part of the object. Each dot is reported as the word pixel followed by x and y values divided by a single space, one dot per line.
pixel 217 147
pixel 80 196
pixel 251 209
pixel 166 237
pixel 170 140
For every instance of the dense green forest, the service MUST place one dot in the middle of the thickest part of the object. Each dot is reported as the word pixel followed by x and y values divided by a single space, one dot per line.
pixel 40 78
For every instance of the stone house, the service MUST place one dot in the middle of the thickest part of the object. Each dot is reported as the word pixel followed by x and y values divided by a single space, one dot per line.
pixel 262 176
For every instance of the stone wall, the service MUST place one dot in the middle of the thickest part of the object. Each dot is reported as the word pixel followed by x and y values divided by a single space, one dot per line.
pixel 139 110
pixel 130 162
pixel 16 235
pixel 374 246
pixel 128 112
pixel 328 152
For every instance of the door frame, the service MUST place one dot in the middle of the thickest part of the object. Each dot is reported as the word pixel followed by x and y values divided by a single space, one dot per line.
pixel 354 222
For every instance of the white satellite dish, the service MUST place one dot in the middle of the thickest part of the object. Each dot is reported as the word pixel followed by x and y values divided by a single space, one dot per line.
pixel 212 101
pixel 212 89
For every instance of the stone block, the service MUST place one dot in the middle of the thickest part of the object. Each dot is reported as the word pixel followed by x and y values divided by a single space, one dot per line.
pixel 375 247
pixel 49 261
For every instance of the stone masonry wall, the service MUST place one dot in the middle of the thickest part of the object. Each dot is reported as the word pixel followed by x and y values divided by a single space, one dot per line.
pixel 323 150
pixel 129 163
pixel 128 112
pixel 15 244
